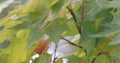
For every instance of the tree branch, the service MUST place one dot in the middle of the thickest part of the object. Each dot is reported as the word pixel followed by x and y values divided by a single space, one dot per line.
pixel 74 17
pixel 72 43
pixel 75 45
pixel 54 59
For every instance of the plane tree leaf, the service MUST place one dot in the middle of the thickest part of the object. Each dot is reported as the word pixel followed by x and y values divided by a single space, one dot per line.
pixel 56 28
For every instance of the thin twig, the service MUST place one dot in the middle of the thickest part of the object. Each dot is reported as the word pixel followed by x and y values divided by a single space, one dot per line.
pixel 75 45
pixel 72 43
pixel 74 17
pixel 75 20
pixel 54 59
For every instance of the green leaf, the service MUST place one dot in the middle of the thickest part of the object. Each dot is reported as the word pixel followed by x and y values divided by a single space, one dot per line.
pixel 90 8
pixel 1 1
pixel 57 6
pixel 35 35
pixel 73 30
pixel 108 4
pixel 56 28
pixel 59 61
pixel 23 25
pixel 104 58
pixel 116 53
pixel 116 60
pixel 89 45
pixel 4 58
pixel 44 58
pixel 36 31
pixel 101 45
pixel 17 52
pixel 104 3
pixel 116 20
pixel 100 29
pixel 88 28
pixel 107 32
pixel 76 59
pixel 115 4
pixel 4 34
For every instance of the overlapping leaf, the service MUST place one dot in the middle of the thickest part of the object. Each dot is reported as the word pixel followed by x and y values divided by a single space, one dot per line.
pixel 56 28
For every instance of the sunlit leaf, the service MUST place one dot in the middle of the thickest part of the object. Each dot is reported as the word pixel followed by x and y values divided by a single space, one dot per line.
pixel 4 34
pixel 59 61
pixel 17 51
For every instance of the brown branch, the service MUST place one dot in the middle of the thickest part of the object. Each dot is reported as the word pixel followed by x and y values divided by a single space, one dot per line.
pixel 74 17
pixel 72 43
pixel 78 27
pixel 75 45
